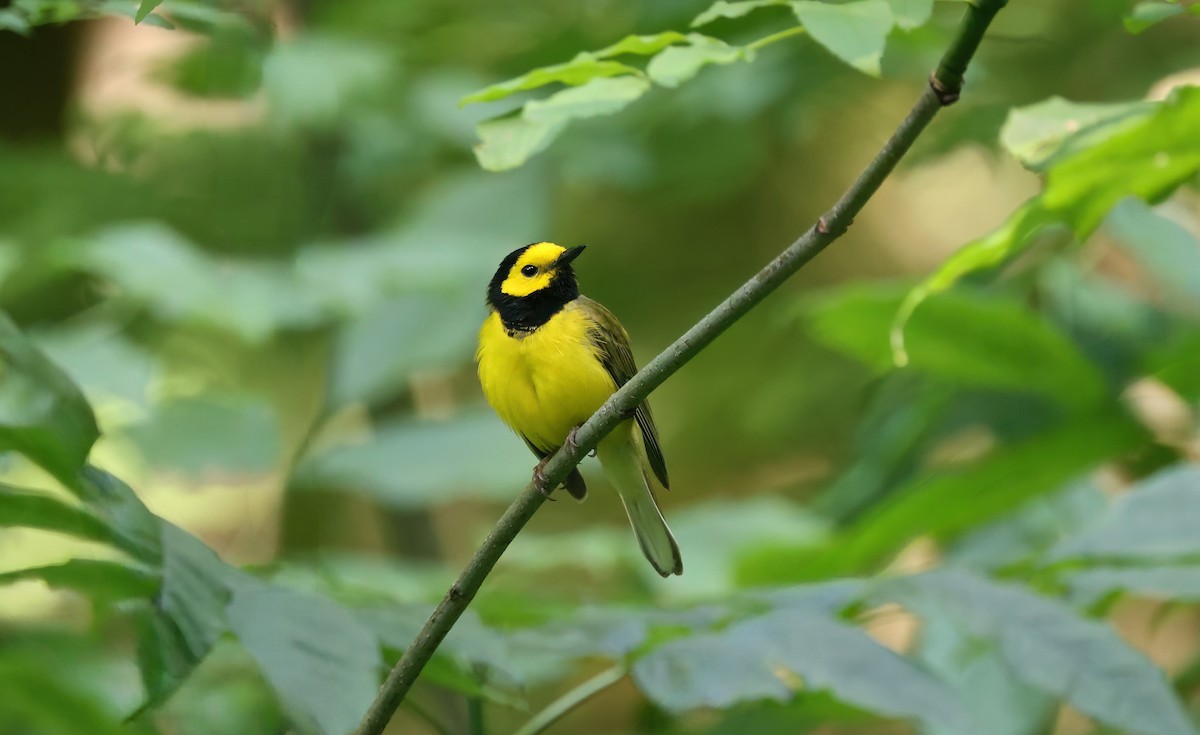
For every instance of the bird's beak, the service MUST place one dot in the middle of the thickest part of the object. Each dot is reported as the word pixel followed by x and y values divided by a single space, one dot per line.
pixel 568 256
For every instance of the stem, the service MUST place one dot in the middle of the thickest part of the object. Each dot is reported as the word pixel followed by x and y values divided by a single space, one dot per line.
pixel 621 404
pixel 768 40
pixel 572 699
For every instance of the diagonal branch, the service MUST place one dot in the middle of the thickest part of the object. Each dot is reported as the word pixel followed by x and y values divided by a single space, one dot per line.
pixel 943 89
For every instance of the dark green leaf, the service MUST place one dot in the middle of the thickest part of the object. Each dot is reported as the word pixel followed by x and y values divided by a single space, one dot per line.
pixel 855 32
pixel 145 8
pixel 21 508
pixel 323 664
pixel 1157 519
pixel 776 655
pixel 138 530
pixel 1050 648
pixel 954 501
pixel 106 581
pixel 42 414
pixel 1018 351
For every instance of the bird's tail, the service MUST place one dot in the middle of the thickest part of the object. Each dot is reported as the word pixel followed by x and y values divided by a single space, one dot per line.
pixel 625 464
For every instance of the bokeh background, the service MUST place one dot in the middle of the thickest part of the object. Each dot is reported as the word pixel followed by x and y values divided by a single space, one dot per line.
pixel 258 241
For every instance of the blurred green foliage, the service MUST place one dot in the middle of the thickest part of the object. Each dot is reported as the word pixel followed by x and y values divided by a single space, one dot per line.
pixel 246 243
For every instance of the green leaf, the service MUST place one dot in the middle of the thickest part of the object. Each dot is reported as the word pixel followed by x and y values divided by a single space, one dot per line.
pixel 1017 351
pixel 42 414
pixel 395 467
pixel 210 433
pixel 1166 250
pixel 715 532
pixel 948 503
pixel 1050 648
pixel 106 581
pixel 508 142
pixel 1165 583
pixel 1000 703
pixel 776 655
pixel 1148 160
pixel 138 530
pixel 735 9
pixel 855 32
pixel 145 8
pixel 22 508
pixel 100 359
pixel 1155 520
pixel 1038 134
pixel 313 82
pixel 910 14
pixel 676 64
pixel 152 265
pixel 641 45
pixel 582 69
pixel 1149 13
pixel 377 354
pixel 597 97
pixel 320 660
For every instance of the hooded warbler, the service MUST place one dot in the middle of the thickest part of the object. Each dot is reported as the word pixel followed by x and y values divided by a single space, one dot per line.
pixel 548 358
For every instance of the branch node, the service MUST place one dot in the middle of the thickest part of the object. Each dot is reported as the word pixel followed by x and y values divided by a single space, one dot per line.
pixel 822 226
pixel 945 95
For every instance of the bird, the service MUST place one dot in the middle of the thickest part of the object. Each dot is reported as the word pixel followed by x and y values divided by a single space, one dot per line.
pixel 548 357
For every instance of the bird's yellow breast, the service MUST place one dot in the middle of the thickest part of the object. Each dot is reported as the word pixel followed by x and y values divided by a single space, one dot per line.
pixel 544 382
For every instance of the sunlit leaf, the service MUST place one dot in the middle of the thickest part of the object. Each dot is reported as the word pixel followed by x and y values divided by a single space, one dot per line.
pixel 1147 160
pixel 855 32
pixel 911 14
pixel 1050 648
pixel 1038 134
pixel 734 9
pixel 509 141
pixel 1150 13
pixel 641 45
pixel 676 64
pixel 101 360
pixel 582 69
pixel 323 664
pixel 777 655
pixel 42 414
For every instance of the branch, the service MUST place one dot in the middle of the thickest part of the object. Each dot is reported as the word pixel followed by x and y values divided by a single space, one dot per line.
pixel 943 89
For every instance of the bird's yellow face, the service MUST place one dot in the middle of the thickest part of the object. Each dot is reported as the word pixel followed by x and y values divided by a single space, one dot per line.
pixel 532 284
pixel 534 269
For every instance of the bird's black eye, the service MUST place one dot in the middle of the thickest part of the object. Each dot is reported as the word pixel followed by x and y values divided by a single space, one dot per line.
pixel 529 271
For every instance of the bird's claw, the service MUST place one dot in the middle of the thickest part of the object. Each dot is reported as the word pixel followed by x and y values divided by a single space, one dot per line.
pixel 539 480
pixel 573 442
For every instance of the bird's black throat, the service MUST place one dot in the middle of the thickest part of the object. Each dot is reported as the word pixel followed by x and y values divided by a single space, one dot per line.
pixel 527 313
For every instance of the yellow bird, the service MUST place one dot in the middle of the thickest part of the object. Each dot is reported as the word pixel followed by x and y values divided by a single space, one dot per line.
pixel 548 358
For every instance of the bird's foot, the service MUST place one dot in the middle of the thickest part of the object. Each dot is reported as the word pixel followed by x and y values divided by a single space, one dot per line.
pixel 573 443
pixel 539 479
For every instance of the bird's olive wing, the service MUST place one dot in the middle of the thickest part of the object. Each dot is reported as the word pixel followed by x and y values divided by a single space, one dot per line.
pixel 612 343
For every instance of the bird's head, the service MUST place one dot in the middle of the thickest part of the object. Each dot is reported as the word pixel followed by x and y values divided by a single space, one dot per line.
pixel 533 283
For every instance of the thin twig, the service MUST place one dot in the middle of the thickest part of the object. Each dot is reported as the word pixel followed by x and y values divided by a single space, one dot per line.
pixel 572 699
pixel 943 89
